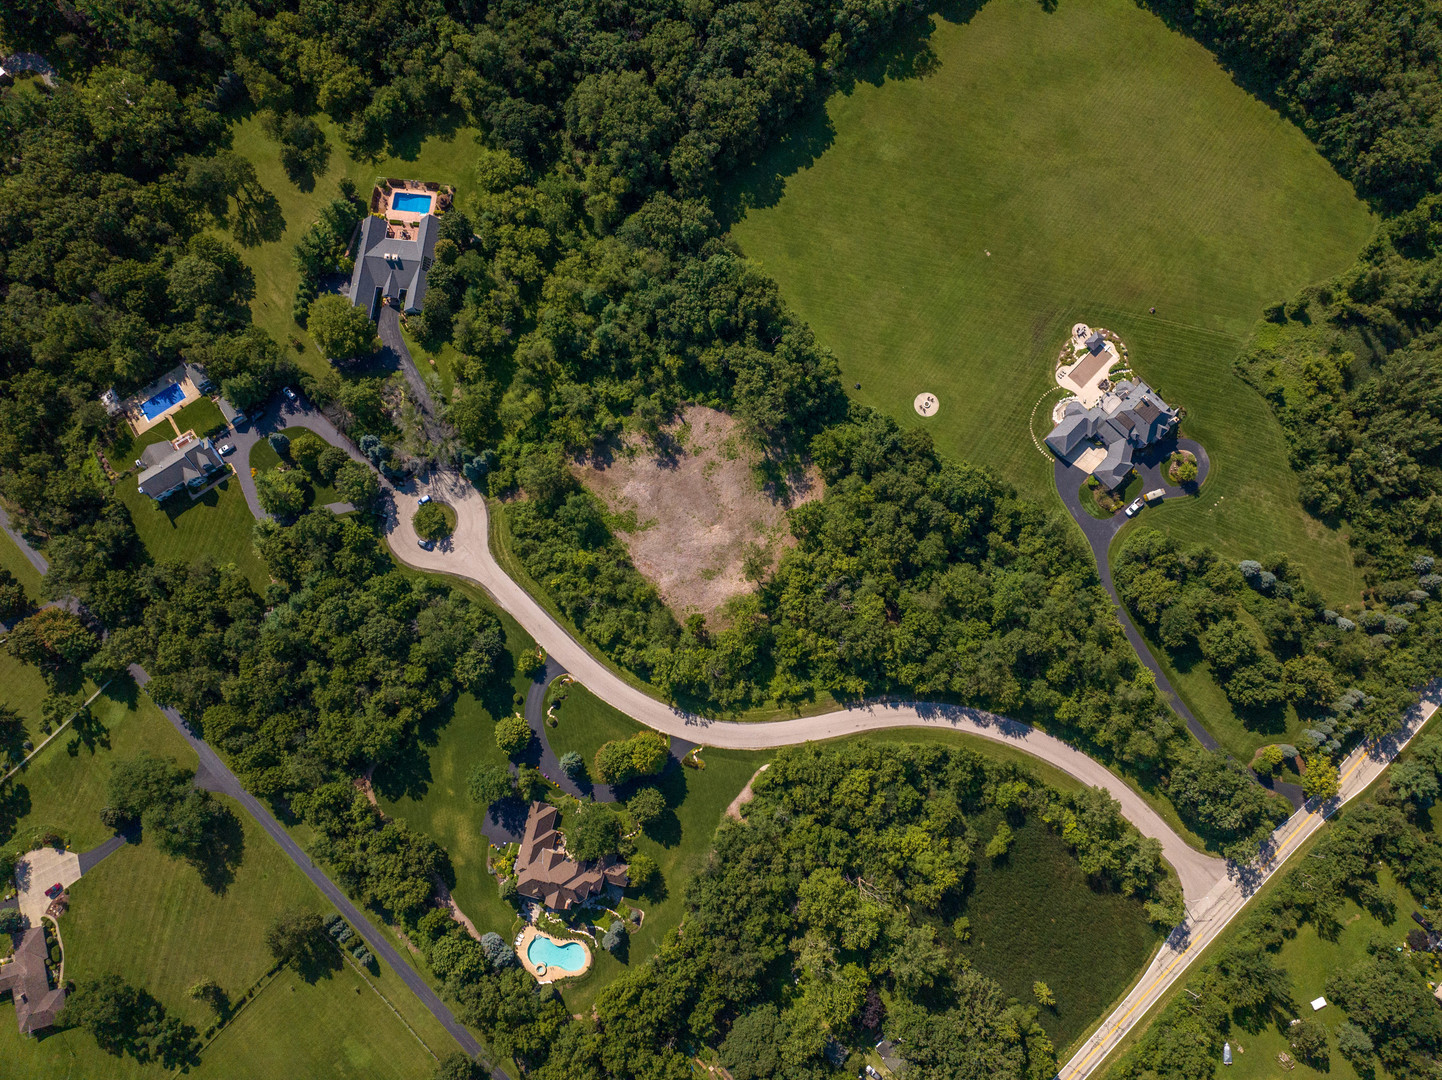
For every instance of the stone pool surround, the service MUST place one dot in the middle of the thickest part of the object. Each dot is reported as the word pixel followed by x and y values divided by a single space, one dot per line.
pixel 550 975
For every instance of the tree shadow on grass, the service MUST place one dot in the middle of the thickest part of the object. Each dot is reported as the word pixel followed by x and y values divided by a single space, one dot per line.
pixel 14 807
pixel 87 731
pixel 224 853
pixel 258 218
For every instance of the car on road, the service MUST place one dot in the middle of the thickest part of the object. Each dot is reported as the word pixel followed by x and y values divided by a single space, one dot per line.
pixel 428 545
pixel 55 890
pixel 288 392
pixel 1135 507
pixel 226 450
pixel 424 499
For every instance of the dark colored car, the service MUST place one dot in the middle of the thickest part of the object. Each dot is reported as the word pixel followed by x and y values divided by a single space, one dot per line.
pixel 55 890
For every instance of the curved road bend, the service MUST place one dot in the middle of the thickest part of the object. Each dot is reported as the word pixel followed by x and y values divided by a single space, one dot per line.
pixel 468 555
pixel 1206 920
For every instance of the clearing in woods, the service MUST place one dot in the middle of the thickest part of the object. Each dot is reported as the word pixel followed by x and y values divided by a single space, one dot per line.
pixel 942 229
pixel 691 511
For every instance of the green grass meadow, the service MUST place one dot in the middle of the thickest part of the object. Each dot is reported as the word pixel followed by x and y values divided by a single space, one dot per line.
pixel 14 560
pixel 448 157
pixel 941 233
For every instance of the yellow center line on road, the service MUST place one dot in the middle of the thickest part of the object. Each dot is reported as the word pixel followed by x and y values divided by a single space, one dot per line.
pixel 1275 863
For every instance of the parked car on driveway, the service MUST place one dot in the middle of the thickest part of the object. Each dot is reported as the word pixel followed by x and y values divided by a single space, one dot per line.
pixel 55 890
pixel 288 392
pixel 428 545
pixel 1135 507
pixel 424 499
pixel 226 450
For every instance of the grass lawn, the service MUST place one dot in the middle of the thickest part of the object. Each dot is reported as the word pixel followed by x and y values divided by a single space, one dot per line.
pixel 14 560
pixel 1101 180
pixel 584 721
pixel 1034 916
pixel 448 157
pixel 150 919
pixel 127 447
pixel 201 416
pixel 263 458
pixel 218 525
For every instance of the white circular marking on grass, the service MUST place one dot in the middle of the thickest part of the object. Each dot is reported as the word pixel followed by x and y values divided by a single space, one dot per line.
pixel 926 404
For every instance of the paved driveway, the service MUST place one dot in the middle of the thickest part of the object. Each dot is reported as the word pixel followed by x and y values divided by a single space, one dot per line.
pixel 37 871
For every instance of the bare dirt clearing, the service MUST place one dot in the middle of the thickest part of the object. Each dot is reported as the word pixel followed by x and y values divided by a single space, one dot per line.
pixel 690 514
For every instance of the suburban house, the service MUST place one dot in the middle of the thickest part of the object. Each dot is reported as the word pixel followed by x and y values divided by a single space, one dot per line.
pixel 391 263
pixel 546 873
pixel 36 1004
pixel 168 469
pixel 1129 418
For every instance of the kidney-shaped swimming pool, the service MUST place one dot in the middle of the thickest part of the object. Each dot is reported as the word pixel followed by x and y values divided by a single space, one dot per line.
pixel 570 956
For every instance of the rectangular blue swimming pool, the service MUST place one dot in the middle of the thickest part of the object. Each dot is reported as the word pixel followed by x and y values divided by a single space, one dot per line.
pixel 171 395
pixel 411 202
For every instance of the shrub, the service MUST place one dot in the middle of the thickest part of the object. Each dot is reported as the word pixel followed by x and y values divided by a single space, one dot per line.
pixel 530 664
pixel 280 444
pixel 646 806
pixel 11 921
pixel 513 734
pixel 1346 624
pixel 498 953
pixel 642 870
pixel 615 936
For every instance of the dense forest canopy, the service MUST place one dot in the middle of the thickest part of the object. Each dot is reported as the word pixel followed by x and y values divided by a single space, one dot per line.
pixel 589 290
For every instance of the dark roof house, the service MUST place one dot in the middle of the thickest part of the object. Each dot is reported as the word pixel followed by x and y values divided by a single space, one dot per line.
pixel 1128 419
pixel 546 873
pixel 167 469
pixel 393 266
pixel 36 1004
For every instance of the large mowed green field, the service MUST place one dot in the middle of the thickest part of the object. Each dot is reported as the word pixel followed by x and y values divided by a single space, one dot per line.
pixel 942 233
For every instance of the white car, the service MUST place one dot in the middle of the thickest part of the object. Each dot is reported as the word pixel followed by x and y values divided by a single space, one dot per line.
pixel 424 499
pixel 1135 507
pixel 226 450
pixel 288 392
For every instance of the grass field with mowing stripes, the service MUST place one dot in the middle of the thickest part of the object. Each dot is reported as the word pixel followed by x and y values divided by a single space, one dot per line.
pixel 943 232
pixel 218 525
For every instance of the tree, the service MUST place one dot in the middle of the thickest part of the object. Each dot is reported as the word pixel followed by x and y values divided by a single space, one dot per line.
pixel 1353 1043
pixel 1000 843
pixel 357 485
pixel 297 939
pixel 497 952
pixel 646 806
pixel 457 1066
pixel 329 462
pixel 1308 1038
pixel 573 764
pixel 341 330
pixel 486 784
pixel 592 833
pixel 643 754
pixel 430 522
pixel 1319 780
pixel 615 938
pixel 52 638
pixel 280 493
pixel 181 820
pixel 210 992
pixel 1042 992
pixel 11 921
pixel 642 871
pixel 306 449
pixel 513 734
pixel 13 600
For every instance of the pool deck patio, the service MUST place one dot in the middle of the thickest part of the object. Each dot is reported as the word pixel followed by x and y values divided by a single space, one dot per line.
pixel 545 974
pixel 140 422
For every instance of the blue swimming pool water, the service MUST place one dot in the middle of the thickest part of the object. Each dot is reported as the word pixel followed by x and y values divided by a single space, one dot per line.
pixel 568 957
pixel 171 395
pixel 411 202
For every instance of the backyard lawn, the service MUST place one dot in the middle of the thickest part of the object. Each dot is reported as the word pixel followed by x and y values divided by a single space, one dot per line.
pixel 14 560
pixel 201 416
pixel 1060 163
pixel 263 458
pixel 218 525
pixel 448 157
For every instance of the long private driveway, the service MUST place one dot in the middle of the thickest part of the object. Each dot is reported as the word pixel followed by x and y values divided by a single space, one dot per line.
pixel 1100 532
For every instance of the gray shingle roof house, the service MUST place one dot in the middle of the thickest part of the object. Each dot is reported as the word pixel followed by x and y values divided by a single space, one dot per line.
pixel 36 1004
pixel 1096 342
pixel 547 874
pixel 167 469
pixel 391 266
pixel 1128 419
